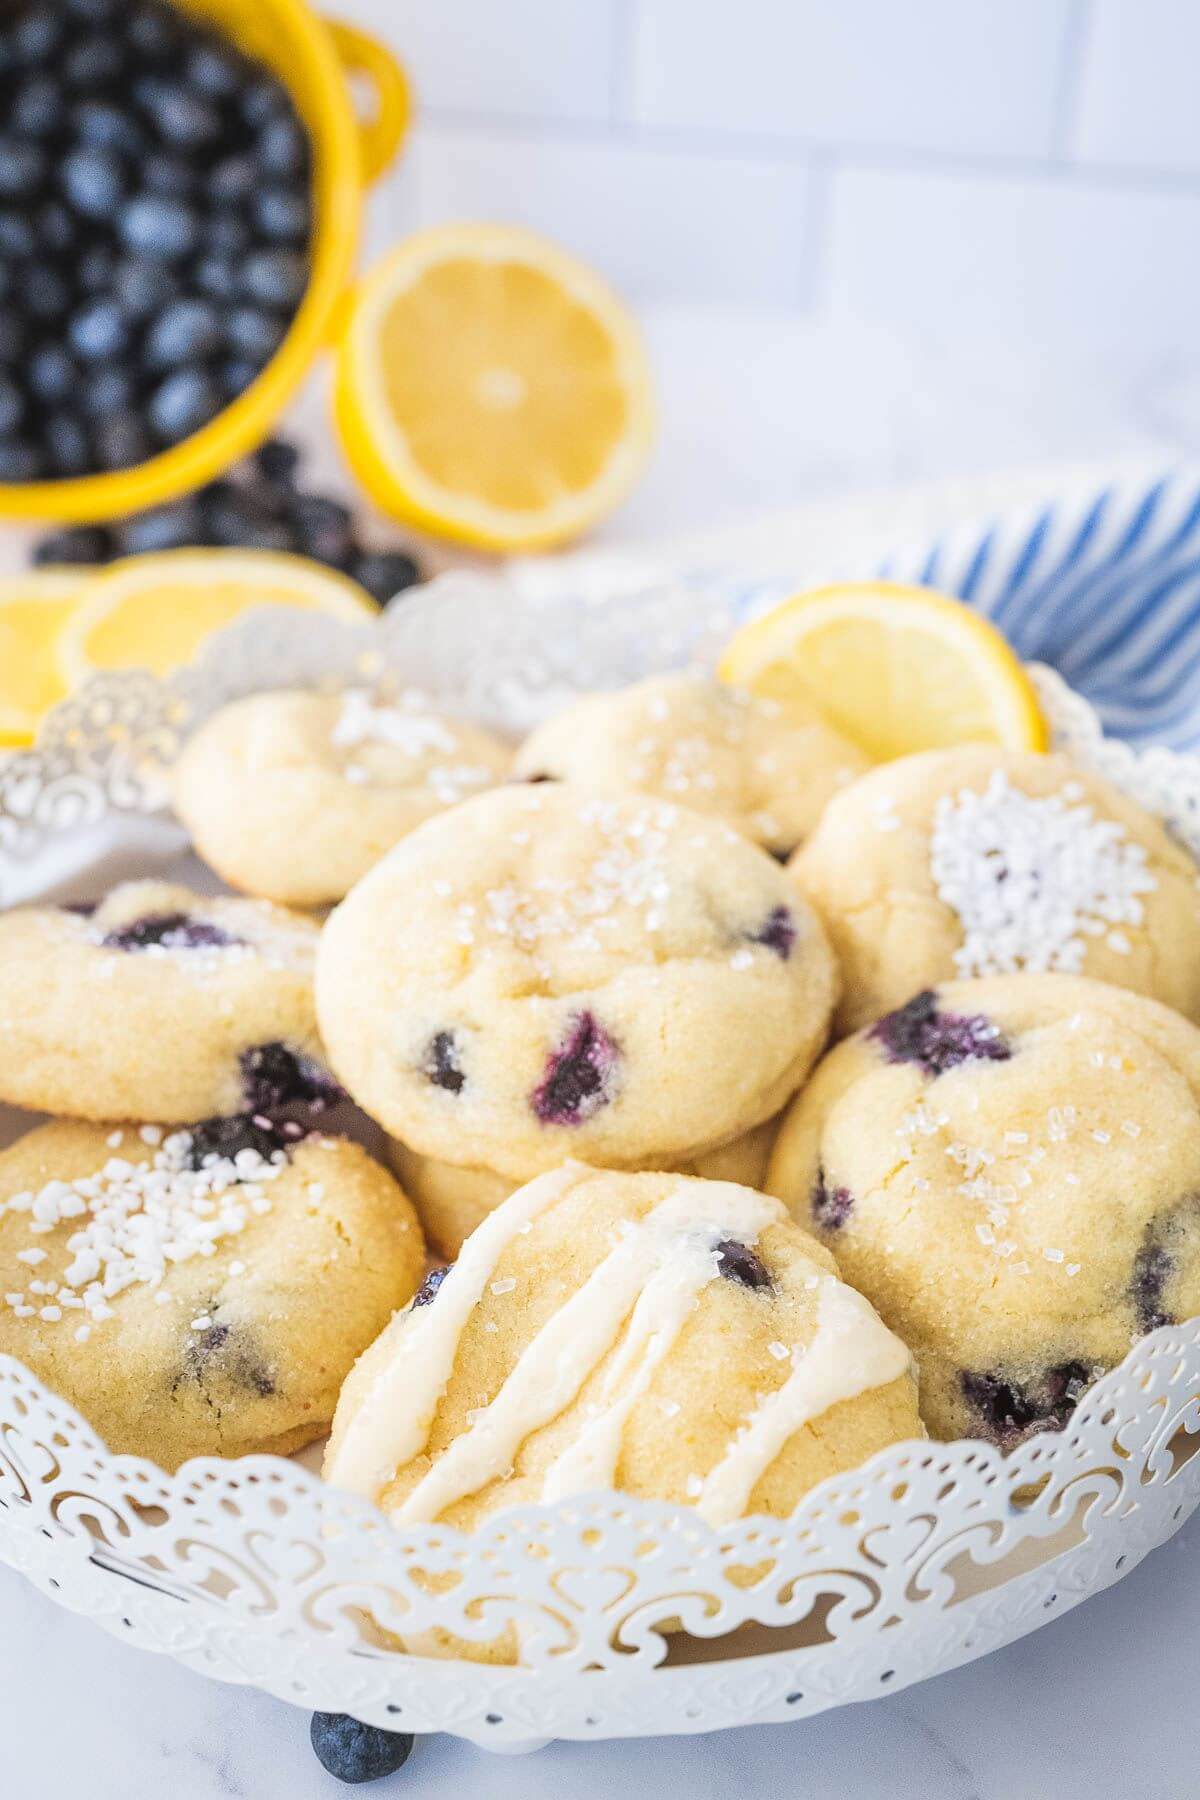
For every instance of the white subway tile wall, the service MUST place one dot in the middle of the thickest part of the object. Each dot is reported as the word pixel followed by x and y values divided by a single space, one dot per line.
pixel 1028 168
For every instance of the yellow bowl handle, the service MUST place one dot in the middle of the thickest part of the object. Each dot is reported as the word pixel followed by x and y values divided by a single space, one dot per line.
pixel 382 134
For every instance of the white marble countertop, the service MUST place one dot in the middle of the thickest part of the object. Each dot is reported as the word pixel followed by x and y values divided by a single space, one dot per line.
pixel 758 412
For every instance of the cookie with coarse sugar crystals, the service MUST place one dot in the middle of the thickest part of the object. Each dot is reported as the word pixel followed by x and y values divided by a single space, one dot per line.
pixel 159 1004
pixel 766 768
pixel 200 1291
pixel 295 795
pixel 980 861
pixel 547 972
pixel 1009 1169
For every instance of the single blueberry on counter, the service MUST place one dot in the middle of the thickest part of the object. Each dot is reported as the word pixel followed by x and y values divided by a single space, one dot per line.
pixel 353 1752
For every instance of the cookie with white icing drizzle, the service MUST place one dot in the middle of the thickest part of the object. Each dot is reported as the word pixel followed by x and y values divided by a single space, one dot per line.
pixel 1010 1169
pixel 201 1291
pixel 670 1337
pixel 451 1200
pixel 159 1004
pixel 295 795
pixel 545 972
pixel 765 768
pixel 980 861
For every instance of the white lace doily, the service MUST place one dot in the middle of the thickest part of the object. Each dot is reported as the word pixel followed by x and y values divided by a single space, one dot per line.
pixel 255 1572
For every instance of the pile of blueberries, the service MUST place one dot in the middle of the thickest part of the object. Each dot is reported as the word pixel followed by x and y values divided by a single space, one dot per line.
pixel 257 506
pixel 155 219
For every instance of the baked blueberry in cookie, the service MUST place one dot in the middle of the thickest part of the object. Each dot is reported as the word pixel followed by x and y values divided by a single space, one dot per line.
pixel 546 972
pixel 160 1004
pixel 999 1167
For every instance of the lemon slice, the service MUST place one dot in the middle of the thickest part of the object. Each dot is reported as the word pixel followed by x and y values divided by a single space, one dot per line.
pixel 155 612
pixel 491 389
pixel 34 608
pixel 896 668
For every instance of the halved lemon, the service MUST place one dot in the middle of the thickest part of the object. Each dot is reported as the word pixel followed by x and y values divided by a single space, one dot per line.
pixel 492 389
pixel 155 612
pixel 896 668
pixel 34 607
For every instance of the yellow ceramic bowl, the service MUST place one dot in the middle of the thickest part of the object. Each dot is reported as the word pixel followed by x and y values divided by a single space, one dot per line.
pixel 315 58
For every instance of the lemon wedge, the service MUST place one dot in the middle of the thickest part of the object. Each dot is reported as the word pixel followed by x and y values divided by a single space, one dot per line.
pixel 897 668
pixel 155 612
pixel 491 389
pixel 34 607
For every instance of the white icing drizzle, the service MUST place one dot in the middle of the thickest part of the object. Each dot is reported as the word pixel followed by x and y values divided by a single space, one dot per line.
pixel 554 1366
pixel 851 1351
pixel 391 1425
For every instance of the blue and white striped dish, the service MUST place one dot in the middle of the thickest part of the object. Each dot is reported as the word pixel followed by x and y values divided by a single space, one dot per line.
pixel 1105 589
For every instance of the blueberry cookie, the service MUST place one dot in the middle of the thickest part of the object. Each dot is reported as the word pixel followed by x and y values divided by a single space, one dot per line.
pixel 1009 1169
pixel 294 796
pixel 451 1201
pixel 668 1337
pixel 203 1291
pixel 547 972
pixel 158 1005
pixel 981 861
pixel 767 770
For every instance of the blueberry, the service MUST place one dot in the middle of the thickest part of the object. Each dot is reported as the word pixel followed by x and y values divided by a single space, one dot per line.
pixel 13 336
pixel 830 1207
pixel 38 107
pixel 158 225
pixel 384 573
pixel 254 334
pixel 441 1065
pixel 1152 1269
pixel 153 31
pixel 324 527
pixel 65 442
pixel 1009 1410
pixel 51 375
pixel 98 330
pixel 275 277
pixel 777 932
pixel 214 71
pixel 217 277
pixel 236 376
pixel 281 214
pixel 37 35
pixel 94 12
pixel 186 331
pixel 579 1075
pixel 95 272
pixel 77 544
pixel 263 99
pixel 107 391
pixel 354 1752
pixel 170 527
pixel 737 1262
pixel 426 1294
pixel 55 229
pixel 94 181
pixel 22 168
pixel 282 147
pixel 103 125
pixel 274 1076
pixel 226 234
pixel 235 178
pixel 918 1032
pixel 19 461
pixel 12 406
pixel 171 931
pixel 180 118
pixel 224 1138
pixel 182 404
pixel 16 235
pixel 278 461
pixel 44 293
pixel 121 440
pixel 142 287
pixel 162 173
pixel 219 1352
pixel 94 61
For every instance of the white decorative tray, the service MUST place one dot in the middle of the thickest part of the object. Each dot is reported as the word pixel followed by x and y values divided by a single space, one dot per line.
pixel 256 1572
